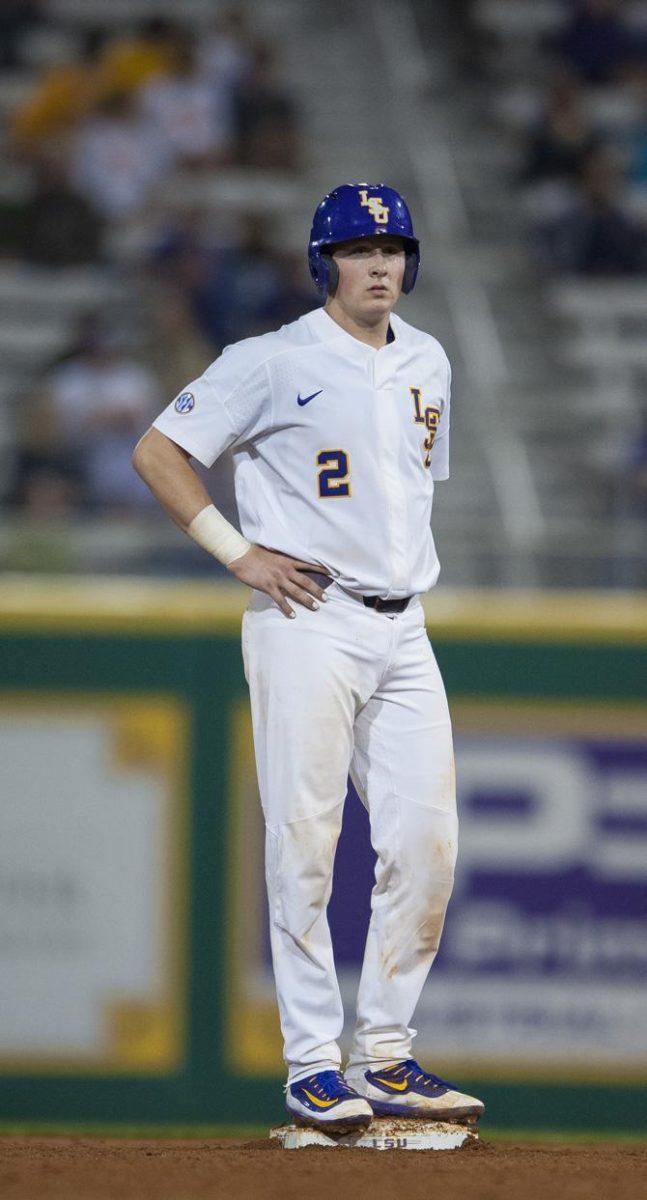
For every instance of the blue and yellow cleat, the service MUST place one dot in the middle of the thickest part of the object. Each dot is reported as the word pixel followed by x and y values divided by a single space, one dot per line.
pixel 406 1090
pixel 326 1101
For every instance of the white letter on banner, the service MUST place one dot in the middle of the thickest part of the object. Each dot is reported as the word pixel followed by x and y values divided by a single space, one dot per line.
pixel 622 853
pixel 560 792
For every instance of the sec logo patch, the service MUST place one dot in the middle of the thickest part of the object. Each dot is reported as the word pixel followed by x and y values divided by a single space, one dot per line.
pixel 185 402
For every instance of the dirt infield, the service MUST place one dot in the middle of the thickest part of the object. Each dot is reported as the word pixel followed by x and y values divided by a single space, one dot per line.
pixel 78 1168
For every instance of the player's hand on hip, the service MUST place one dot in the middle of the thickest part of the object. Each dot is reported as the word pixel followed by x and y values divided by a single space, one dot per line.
pixel 279 576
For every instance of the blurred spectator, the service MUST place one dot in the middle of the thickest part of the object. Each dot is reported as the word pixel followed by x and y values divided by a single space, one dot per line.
pixel 58 227
pixel 92 410
pixel 62 96
pixel 191 113
pixel 175 348
pixel 596 42
pixel 637 154
pixel 563 138
pixel 635 477
pixel 295 295
pixel 70 91
pixel 266 118
pixel 236 290
pixel 226 55
pixel 43 539
pixel 117 157
pixel 595 236
pixel 130 61
pixel 629 507
pixel 187 253
pixel 17 17
pixel 636 140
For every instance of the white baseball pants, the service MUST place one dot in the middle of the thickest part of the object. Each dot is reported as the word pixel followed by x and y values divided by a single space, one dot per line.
pixel 345 690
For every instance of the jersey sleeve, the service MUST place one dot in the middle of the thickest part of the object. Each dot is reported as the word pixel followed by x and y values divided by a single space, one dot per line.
pixel 230 403
pixel 440 449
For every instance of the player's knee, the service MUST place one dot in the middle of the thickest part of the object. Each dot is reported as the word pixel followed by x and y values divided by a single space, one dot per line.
pixel 436 883
pixel 302 900
pixel 440 888
pixel 299 879
pixel 434 889
pixel 428 854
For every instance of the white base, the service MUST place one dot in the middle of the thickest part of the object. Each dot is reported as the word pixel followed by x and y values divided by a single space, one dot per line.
pixel 384 1133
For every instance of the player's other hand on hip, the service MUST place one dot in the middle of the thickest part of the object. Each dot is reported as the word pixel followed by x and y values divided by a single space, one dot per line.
pixel 279 576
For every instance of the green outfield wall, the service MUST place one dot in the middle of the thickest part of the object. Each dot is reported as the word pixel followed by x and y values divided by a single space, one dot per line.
pixel 133 957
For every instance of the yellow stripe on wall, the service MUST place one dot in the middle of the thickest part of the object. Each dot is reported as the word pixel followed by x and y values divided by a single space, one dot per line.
pixel 112 605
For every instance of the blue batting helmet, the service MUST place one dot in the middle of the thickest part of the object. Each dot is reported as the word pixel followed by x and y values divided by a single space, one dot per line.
pixel 357 210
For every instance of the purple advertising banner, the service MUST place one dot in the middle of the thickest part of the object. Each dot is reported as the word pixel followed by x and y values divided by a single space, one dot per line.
pixel 542 969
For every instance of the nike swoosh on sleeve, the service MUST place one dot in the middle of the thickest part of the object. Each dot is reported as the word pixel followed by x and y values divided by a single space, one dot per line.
pixel 307 399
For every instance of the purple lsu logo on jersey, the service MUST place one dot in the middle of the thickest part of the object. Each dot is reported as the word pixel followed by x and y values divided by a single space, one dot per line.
pixel 185 402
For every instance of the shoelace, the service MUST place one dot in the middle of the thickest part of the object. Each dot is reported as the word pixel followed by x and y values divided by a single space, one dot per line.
pixel 411 1067
pixel 328 1085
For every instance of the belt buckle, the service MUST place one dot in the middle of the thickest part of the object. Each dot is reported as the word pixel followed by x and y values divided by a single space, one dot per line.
pixel 379 604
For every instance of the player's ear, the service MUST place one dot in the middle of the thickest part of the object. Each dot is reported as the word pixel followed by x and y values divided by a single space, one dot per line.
pixel 333 274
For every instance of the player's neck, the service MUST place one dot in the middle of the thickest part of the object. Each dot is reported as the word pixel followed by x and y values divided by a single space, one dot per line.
pixel 374 334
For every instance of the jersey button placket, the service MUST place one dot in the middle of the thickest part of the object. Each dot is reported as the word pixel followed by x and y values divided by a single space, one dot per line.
pixel 388 427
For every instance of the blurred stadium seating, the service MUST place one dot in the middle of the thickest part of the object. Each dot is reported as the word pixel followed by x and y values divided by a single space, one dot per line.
pixel 505 122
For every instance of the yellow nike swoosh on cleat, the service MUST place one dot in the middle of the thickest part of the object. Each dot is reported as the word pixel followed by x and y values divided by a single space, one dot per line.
pixel 397 1087
pixel 319 1103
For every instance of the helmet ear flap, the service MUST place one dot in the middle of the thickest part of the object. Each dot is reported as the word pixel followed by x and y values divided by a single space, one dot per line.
pixel 333 274
pixel 410 271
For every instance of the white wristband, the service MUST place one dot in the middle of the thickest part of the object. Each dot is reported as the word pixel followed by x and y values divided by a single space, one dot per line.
pixel 214 533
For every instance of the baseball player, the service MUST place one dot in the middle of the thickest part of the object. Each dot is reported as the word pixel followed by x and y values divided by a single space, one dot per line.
pixel 338 426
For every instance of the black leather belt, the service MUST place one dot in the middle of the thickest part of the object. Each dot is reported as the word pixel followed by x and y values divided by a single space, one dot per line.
pixel 386 606
pixel 376 602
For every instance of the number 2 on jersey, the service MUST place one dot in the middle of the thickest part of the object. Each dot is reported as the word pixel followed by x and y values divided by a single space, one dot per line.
pixel 333 473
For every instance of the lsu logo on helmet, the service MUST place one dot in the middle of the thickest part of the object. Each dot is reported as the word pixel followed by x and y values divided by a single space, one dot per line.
pixel 378 210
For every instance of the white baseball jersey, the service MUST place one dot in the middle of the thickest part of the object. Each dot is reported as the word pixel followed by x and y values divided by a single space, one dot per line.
pixel 336 446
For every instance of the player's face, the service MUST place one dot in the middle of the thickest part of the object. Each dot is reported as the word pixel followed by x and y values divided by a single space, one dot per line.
pixel 370 275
